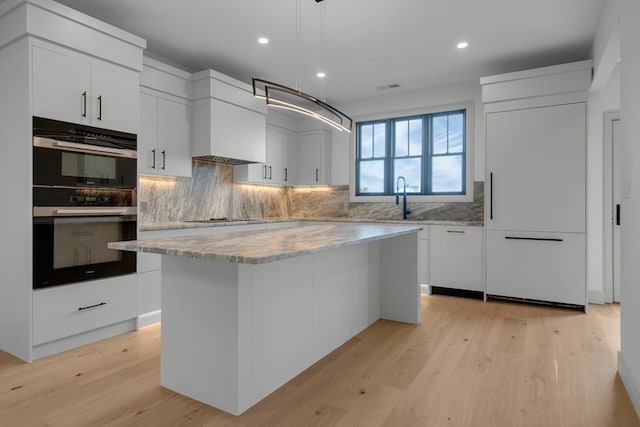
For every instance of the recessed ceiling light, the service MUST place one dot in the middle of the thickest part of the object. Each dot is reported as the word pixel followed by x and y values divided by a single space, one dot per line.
pixel 462 45
pixel 321 74
pixel 263 40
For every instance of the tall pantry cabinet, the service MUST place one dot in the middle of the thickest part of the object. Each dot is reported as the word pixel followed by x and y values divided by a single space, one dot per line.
pixel 535 124
pixel 61 64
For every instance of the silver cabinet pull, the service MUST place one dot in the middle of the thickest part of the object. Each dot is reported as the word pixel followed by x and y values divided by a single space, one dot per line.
pixel 264 172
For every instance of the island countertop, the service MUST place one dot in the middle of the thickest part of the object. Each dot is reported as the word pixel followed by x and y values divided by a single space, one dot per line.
pixel 259 247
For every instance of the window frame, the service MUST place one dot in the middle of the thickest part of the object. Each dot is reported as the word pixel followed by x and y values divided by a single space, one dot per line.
pixel 414 197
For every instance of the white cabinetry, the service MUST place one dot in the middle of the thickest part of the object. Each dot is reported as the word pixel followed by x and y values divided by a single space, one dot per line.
pixel 165 121
pixel 535 204
pixel 282 162
pixel 457 260
pixel 315 158
pixel 424 258
pixel 50 55
pixel 72 87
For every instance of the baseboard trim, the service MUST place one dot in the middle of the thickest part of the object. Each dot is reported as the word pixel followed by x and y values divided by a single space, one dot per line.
pixel 425 289
pixel 148 319
pixel 596 297
pixel 629 383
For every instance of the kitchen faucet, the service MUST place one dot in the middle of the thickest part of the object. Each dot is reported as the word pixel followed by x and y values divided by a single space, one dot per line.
pixel 405 212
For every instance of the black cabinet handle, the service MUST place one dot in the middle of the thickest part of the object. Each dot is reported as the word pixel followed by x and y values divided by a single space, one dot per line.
pixel 164 159
pixel 540 239
pixel 84 104
pixel 153 152
pixel 491 195
pixel 286 175
pixel 100 107
pixel 317 173
pixel 269 172
pixel 617 214
pixel 100 304
pixel 455 231
pixel 264 172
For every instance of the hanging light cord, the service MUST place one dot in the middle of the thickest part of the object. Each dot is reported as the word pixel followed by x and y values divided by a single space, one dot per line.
pixel 298 48
pixel 323 38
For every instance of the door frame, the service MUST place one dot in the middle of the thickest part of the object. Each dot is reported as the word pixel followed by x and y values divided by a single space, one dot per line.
pixel 608 210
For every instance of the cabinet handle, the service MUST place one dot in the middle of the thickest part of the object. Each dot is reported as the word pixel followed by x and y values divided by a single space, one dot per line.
pixel 100 304
pixel 164 159
pixel 100 107
pixel 264 172
pixel 491 195
pixel 269 172
pixel 455 231
pixel 84 104
pixel 617 214
pixel 539 239
pixel 286 175
pixel 153 152
pixel 317 172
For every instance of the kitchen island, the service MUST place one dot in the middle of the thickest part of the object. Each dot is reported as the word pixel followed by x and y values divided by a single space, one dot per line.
pixel 244 312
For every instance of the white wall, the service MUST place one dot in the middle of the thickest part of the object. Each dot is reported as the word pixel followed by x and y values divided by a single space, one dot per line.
pixel 397 102
pixel 629 356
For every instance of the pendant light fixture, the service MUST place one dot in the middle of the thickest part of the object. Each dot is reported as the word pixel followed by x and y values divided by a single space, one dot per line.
pixel 281 96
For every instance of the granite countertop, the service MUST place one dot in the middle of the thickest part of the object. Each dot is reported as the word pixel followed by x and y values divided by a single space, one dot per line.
pixel 262 246
pixel 196 224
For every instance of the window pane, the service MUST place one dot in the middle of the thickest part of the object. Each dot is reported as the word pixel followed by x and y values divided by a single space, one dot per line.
pixel 439 134
pixel 410 170
pixel 446 174
pixel 380 134
pixel 415 137
pixel 402 138
pixel 456 133
pixel 366 141
pixel 371 179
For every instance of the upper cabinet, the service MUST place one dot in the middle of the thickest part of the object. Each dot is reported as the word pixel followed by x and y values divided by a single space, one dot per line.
pixel 164 141
pixel 229 123
pixel 315 158
pixel 67 86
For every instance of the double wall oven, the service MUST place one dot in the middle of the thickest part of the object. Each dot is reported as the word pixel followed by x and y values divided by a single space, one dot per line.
pixel 84 195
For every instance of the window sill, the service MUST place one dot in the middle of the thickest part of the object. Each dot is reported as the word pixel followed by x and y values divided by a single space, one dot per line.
pixel 414 199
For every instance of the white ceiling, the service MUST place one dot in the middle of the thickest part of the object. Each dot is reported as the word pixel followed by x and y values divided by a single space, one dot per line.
pixel 368 43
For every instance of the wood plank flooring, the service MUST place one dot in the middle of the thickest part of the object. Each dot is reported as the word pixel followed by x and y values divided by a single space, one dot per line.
pixel 469 363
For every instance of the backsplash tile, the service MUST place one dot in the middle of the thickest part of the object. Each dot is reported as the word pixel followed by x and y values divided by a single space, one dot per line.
pixel 211 193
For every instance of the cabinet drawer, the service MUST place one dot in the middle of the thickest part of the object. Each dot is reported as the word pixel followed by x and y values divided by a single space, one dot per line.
pixel 68 310
pixel 457 257
pixel 538 266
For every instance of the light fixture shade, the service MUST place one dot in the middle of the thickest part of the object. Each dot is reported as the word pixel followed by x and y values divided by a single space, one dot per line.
pixel 280 96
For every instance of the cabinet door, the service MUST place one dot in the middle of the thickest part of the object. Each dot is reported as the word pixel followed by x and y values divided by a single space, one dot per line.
pixel 148 135
pixel 457 257
pixel 61 87
pixel 314 151
pixel 537 266
pixel 291 156
pixel 114 99
pixel 275 156
pixel 536 169
pixel 174 136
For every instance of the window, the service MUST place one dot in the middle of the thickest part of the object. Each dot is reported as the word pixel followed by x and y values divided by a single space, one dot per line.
pixel 428 150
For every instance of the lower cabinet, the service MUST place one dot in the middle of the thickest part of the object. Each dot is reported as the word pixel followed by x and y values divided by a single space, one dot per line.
pixel 423 258
pixel 456 254
pixel 546 267
pixel 63 311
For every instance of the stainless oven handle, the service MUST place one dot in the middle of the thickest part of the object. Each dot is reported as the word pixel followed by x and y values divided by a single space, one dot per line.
pixel 39 141
pixel 89 211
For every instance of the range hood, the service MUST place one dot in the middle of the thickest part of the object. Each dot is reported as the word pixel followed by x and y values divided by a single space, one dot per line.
pixel 229 123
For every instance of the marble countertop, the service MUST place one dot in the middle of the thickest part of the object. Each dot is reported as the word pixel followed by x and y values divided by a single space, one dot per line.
pixel 262 246
pixel 191 224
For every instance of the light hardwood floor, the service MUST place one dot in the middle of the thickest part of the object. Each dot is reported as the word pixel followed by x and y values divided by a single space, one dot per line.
pixel 468 364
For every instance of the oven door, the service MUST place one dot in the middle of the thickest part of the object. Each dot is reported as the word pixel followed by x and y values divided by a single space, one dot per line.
pixel 71 245
pixel 58 163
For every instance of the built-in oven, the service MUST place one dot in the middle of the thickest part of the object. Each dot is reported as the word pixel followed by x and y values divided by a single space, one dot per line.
pixel 84 196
